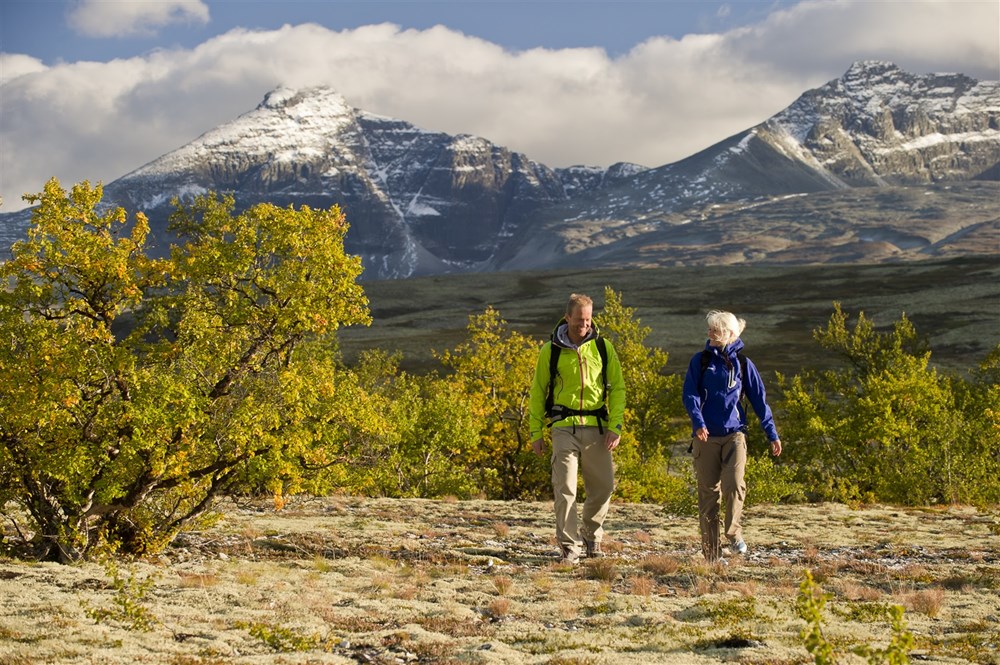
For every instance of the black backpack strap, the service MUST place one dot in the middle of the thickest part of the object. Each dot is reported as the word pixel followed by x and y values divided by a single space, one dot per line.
pixel 553 371
pixel 706 358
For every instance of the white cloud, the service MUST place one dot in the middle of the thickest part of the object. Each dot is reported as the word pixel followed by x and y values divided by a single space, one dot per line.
pixel 661 102
pixel 13 65
pixel 116 18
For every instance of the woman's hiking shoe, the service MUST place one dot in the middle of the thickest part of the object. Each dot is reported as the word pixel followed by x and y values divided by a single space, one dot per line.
pixel 569 557
pixel 739 547
pixel 593 549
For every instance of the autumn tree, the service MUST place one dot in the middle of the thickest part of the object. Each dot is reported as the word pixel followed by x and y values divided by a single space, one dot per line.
pixel 430 433
pixel 493 367
pixel 654 415
pixel 136 390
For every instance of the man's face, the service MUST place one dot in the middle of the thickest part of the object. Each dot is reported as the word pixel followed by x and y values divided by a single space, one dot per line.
pixel 579 322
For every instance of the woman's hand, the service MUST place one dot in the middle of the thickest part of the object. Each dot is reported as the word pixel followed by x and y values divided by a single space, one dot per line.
pixel 701 434
pixel 776 447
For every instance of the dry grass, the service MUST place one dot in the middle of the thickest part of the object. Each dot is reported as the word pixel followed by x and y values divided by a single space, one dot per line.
pixel 503 584
pixel 346 580
pixel 928 601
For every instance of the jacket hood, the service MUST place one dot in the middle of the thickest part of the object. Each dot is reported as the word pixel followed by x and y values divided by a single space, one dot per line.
pixel 558 336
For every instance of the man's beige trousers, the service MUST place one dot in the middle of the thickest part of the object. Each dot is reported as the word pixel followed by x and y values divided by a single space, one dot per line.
pixel 572 448
pixel 719 464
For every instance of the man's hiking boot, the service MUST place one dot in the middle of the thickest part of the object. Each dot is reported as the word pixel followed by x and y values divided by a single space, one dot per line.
pixel 569 557
pixel 593 549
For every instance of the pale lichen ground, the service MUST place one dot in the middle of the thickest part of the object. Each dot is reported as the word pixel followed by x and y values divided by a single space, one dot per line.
pixel 350 580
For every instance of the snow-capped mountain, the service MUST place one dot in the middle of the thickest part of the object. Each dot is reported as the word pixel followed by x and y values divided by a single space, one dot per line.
pixel 876 128
pixel 831 178
pixel 417 201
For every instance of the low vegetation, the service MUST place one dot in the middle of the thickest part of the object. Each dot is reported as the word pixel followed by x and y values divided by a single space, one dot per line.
pixel 361 580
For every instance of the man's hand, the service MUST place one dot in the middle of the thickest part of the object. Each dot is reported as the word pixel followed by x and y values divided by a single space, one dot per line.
pixel 611 439
pixel 538 445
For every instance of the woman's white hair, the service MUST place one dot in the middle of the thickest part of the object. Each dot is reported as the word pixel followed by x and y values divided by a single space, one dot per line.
pixel 728 326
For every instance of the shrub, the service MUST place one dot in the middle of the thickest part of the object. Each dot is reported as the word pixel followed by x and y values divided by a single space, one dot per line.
pixel 888 427
pixel 137 389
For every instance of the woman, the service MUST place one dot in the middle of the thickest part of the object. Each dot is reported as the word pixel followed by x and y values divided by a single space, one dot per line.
pixel 716 382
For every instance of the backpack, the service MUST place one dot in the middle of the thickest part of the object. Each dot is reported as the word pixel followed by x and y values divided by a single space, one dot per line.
pixel 556 412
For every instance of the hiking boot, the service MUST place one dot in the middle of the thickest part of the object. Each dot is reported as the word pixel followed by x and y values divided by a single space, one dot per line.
pixel 569 557
pixel 593 549
pixel 739 547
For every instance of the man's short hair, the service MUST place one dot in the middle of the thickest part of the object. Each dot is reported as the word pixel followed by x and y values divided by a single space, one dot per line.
pixel 578 300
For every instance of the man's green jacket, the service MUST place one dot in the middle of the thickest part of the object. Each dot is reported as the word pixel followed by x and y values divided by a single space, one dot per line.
pixel 577 384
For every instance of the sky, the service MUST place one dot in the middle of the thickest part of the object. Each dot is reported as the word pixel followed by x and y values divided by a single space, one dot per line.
pixel 93 89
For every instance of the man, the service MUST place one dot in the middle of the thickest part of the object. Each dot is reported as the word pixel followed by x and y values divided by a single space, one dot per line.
pixel 583 400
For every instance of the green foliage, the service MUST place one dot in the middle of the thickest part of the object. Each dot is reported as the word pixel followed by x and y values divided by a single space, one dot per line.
pixel 888 427
pixel 282 639
pixel 654 416
pixel 898 650
pixel 430 433
pixel 653 408
pixel 809 606
pixel 493 369
pixel 731 612
pixel 129 607
pixel 135 390
pixel 769 482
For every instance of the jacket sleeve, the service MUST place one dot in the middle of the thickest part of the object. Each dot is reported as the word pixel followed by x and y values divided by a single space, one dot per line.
pixel 616 390
pixel 539 391
pixel 691 396
pixel 758 400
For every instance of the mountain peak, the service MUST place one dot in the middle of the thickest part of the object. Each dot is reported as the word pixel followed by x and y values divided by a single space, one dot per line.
pixel 285 97
pixel 869 68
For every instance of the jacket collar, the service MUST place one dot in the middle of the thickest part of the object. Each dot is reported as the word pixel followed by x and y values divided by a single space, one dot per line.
pixel 560 335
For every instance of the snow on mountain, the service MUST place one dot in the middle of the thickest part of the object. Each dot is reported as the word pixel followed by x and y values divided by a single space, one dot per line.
pixel 418 201
pixel 875 127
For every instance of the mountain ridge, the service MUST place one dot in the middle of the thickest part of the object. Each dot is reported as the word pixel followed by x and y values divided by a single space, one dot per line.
pixel 424 202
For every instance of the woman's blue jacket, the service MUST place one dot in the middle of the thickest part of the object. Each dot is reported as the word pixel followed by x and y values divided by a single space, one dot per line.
pixel 712 399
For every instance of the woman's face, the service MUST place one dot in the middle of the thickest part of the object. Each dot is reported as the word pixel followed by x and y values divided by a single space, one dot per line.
pixel 718 336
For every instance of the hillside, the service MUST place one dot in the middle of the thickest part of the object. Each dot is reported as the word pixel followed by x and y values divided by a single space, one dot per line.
pixel 954 303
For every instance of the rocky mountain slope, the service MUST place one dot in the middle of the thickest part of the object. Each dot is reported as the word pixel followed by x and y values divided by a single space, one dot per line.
pixel 878 164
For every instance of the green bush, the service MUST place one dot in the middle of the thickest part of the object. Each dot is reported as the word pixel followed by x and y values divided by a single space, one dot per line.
pixel 135 390
pixel 887 426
